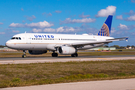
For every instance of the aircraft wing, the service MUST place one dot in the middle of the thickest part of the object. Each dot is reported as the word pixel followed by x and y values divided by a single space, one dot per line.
pixel 95 42
pixel 99 42
pixel 118 39
pixel 89 43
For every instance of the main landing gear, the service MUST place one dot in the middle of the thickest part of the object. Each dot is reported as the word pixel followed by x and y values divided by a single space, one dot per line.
pixel 54 54
pixel 74 55
pixel 24 54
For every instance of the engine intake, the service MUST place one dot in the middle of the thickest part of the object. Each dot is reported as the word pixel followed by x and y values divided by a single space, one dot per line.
pixel 37 52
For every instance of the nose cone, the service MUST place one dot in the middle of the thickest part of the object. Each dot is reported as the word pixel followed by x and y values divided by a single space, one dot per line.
pixel 9 44
pixel 12 44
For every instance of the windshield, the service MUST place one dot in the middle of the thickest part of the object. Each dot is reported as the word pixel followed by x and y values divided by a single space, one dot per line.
pixel 16 38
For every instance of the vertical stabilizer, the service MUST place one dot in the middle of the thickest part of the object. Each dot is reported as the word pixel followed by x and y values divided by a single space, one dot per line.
pixel 106 28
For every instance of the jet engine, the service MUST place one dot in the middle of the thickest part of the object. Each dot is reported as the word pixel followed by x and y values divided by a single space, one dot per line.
pixel 66 50
pixel 36 52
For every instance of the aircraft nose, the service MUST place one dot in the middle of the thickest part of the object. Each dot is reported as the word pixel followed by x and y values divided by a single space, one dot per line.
pixel 11 44
pixel 8 43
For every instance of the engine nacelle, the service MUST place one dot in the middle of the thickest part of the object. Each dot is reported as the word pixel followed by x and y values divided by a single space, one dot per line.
pixel 36 52
pixel 67 50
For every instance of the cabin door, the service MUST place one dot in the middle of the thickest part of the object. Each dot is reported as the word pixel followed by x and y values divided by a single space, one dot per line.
pixel 28 39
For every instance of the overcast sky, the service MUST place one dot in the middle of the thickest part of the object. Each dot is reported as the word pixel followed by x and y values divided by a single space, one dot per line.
pixel 67 16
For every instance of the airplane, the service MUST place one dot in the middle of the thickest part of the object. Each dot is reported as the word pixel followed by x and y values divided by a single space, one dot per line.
pixel 65 44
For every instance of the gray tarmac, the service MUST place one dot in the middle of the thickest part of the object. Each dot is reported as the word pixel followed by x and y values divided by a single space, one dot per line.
pixel 28 60
pixel 120 84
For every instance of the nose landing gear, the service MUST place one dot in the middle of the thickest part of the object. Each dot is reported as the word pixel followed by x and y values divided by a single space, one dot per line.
pixel 24 54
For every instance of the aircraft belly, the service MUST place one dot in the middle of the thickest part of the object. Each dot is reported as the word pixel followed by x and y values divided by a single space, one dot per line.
pixel 51 47
pixel 39 47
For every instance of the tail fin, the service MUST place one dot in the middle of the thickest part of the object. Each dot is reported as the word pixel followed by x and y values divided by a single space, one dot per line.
pixel 106 28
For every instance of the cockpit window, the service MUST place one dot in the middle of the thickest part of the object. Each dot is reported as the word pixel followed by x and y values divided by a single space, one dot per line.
pixel 13 38
pixel 16 38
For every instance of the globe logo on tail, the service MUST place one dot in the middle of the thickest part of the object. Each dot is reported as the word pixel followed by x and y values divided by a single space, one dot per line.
pixel 106 28
pixel 104 31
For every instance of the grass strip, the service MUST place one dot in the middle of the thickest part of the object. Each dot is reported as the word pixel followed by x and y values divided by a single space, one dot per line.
pixel 13 75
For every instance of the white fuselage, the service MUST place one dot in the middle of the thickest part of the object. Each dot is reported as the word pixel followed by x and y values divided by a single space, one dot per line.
pixel 44 41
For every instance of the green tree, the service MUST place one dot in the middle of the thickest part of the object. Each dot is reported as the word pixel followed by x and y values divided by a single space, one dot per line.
pixel 133 46
pixel 117 46
pixel 128 46
pixel 1 46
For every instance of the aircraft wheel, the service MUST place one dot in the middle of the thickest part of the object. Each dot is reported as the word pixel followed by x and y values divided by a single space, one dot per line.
pixel 23 56
pixel 74 55
pixel 54 55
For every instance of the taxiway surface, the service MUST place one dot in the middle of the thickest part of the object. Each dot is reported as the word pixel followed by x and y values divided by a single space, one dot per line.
pixel 120 84
pixel 63 59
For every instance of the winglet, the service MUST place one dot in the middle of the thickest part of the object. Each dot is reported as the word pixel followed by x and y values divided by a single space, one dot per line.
pixel 126 39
